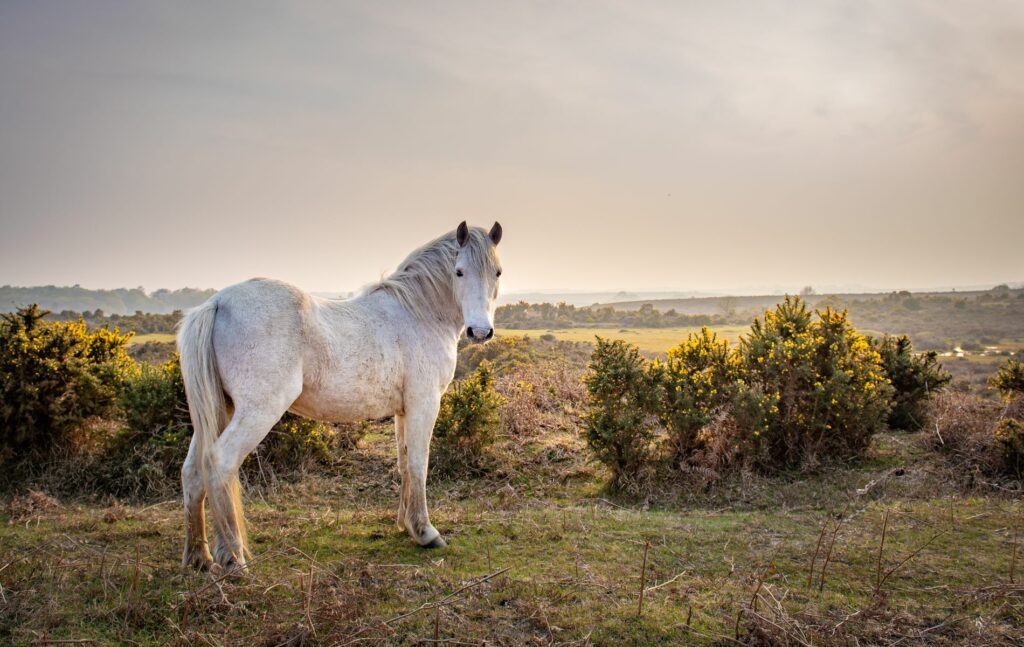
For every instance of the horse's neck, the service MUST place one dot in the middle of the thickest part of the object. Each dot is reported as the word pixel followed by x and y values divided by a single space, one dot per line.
pixel 445 320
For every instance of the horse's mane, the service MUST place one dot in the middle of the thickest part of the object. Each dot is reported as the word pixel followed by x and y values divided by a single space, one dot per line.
pixel 424 283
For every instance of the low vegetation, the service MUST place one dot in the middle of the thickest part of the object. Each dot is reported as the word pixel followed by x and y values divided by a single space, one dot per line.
pixel 80 415
pixel 800 390
pixel 759 493
pixel 54 378
pixel 467 423
pixel 915 378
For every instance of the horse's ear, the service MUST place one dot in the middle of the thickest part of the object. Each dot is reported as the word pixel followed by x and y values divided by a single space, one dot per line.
pixel 462 233
pixel 496 233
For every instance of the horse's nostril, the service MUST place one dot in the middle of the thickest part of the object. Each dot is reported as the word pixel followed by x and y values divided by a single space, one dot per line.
pixel 490 333
pixel 469 331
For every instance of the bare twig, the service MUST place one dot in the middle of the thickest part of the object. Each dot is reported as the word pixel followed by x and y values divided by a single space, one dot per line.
pixel 821 536
pixel 448 598
pixel 1013 558
pixel 911 556
pixel 666 582
pixel 643 580
pixel 231 573
pixel 828 555
pixel 881 546
pixel 307 597
pixel 757 589
pixel 615 505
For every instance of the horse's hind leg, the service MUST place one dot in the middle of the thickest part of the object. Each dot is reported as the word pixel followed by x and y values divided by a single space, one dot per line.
pixel 249 425
pixel 197 550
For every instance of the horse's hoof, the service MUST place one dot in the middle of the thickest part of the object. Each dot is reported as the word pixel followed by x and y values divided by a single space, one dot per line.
pixel 430 538
pixel 231 568
pixel 436 542
pixel 198 565
pixel 197 561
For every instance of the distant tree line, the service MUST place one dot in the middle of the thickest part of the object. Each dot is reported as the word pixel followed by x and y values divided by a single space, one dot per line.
pixel 563 315
pixel 121 301
pixel 140 323
pixel 937 321
pixel 515 316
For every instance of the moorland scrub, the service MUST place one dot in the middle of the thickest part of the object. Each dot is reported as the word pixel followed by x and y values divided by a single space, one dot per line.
pixel 809 485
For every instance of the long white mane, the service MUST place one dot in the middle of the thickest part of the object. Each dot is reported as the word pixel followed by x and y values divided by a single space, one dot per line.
pixel 424 282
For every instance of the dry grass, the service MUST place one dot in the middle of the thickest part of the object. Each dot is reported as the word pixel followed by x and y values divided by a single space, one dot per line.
pixel 540 397
pixel 962 431
pixel 652 340
pixel 151 337
pixel 539 554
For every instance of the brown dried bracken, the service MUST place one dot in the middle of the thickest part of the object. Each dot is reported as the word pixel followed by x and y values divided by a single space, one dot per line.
pixel 27 506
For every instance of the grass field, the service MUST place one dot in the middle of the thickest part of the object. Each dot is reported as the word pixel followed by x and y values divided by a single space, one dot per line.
pixel 655 340
pixel 156 336
pixel 539 554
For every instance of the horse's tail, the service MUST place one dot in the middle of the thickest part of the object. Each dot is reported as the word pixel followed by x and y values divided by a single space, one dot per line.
pixel 208 409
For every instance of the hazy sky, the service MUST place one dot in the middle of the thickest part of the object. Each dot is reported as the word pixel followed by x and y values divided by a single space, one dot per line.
pixel 682 145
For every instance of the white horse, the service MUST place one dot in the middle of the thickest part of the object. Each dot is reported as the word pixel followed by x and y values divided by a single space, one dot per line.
pixel 260 348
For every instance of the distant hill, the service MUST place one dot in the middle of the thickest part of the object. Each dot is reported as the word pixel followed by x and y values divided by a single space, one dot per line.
pixel 121 301
pixel 729 304
pixel 590 298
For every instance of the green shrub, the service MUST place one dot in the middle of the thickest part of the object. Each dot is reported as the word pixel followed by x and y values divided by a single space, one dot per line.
pixel 296 444
pixel 145 455
pixel 1009 379
pixel 467 422
pixel 154 398
pixel 815 384
pixel 619 421
pixel 54 377
pixel 697 379
pixel 915 378
pixel 1010 436
pixel 144 458
pixel 511 353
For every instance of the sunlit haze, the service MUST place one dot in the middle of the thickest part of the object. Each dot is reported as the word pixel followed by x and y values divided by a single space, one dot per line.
pixel 622 145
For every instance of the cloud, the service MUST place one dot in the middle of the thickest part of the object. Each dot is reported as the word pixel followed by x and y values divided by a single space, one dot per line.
pixel 631 129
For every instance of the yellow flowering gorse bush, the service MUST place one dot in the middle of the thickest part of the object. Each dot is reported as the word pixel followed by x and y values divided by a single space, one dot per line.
pixel 816 388
pixel 697 378
pixel 801 388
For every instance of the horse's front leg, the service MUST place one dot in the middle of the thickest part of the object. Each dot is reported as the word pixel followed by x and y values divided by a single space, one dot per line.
pixel 420 415
pixel 403 469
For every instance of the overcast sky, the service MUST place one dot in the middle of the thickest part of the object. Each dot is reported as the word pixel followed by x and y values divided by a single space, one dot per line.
pixel 641 145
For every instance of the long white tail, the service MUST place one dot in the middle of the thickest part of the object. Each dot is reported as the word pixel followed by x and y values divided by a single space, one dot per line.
pixel 208 409
pixel 202 381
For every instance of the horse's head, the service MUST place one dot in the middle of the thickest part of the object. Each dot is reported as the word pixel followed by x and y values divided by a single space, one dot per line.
pixel 477 270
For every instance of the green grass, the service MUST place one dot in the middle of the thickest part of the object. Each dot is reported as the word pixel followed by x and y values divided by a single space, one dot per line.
pixel 655 340
pixel 329 565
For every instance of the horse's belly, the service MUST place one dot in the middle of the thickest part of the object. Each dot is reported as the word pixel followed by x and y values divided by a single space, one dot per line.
pixel 350 402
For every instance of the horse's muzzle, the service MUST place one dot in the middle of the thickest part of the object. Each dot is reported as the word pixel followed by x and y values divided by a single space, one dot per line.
pixel 478 334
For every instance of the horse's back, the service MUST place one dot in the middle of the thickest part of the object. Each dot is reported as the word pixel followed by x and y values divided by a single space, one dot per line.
pixel 270 336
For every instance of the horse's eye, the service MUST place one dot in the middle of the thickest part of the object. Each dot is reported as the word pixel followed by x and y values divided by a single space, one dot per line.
pixel 499 273
pixel 458 272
